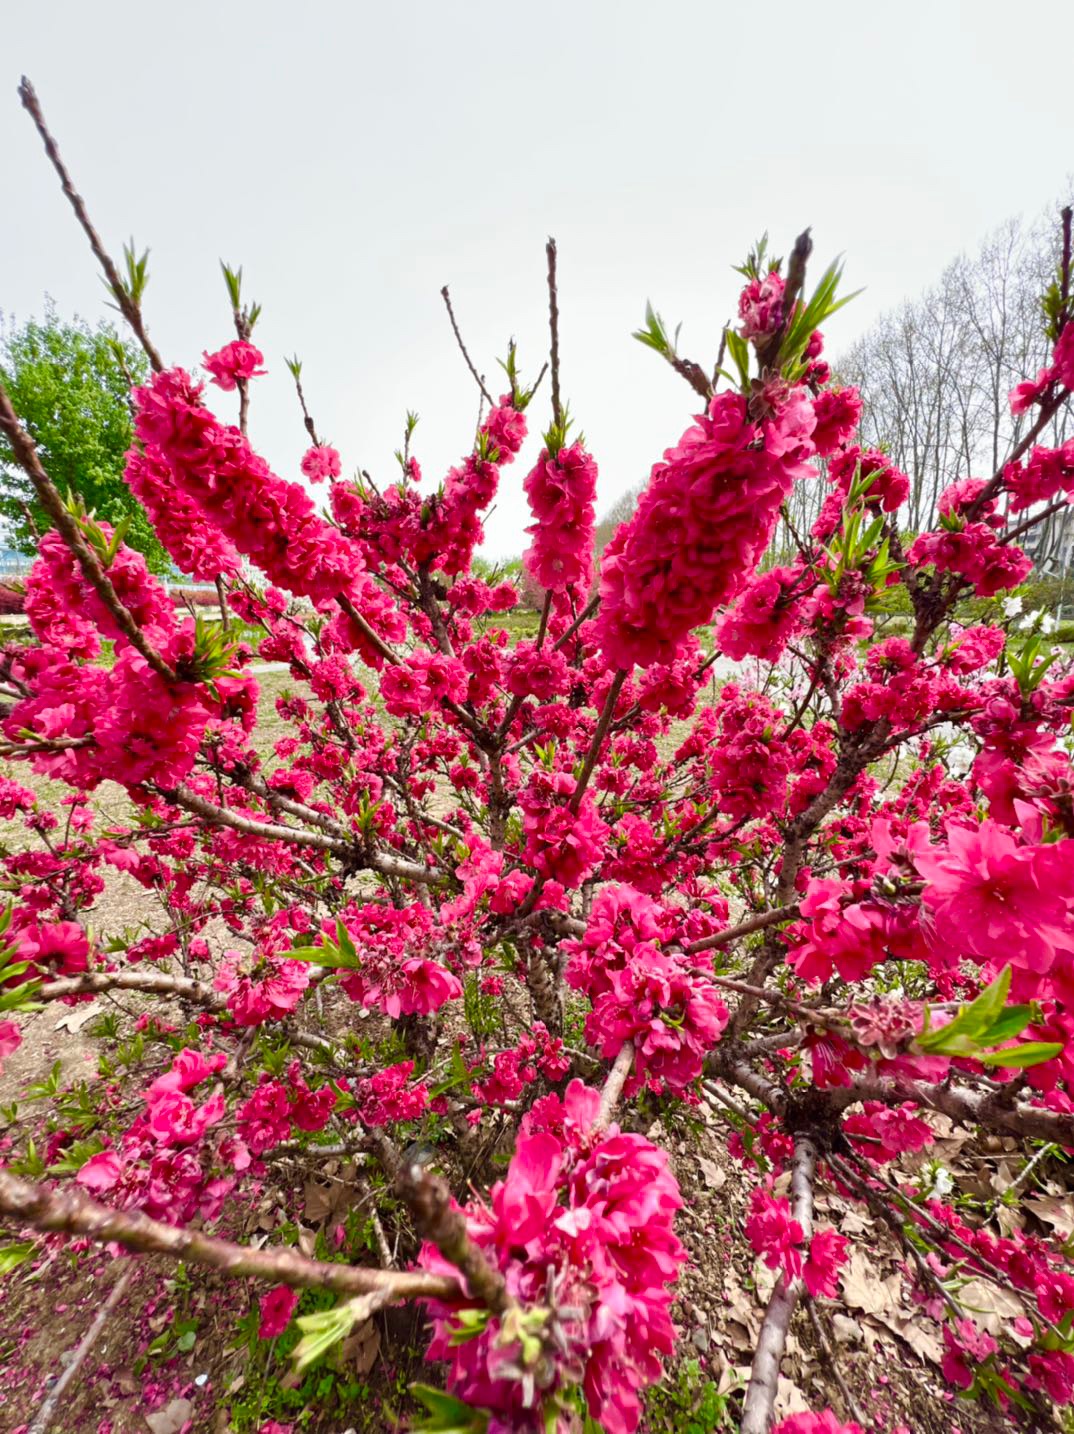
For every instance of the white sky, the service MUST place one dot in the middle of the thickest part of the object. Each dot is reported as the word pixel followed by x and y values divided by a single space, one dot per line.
pixel 354 157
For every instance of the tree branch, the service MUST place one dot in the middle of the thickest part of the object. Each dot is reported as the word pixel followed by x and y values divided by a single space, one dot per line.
pixel 25 451
pixel 65 1212
pixel 429 1200
pixel 127 305
pixel 599 734
pixel 764 1375
pixel 383 862
pixel 613 1086
pixel 752 923
pixel 157 983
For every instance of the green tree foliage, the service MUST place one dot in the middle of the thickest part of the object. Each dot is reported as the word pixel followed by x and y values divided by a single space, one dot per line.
pixel 69 384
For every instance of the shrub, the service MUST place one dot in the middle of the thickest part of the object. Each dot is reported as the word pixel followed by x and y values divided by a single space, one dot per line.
pixel 721 904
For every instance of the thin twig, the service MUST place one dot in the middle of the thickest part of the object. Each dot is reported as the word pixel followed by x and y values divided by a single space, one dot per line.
pixel 584 616
pixel 307 420
pixel 1066 215
pixel 387 864
pixel 372 637
pixel 553 327
pixel 1024 527
pixel 849 1402
pixel 599 734
pixel 458 339
pixel 127 305
pixel 774 917
pixel 546 608
pixel 47 1412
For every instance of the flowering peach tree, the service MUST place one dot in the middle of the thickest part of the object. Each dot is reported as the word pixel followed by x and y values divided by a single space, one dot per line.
pixel 565 882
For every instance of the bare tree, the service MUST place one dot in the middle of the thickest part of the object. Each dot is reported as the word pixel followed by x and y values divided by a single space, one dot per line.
pixel 936 372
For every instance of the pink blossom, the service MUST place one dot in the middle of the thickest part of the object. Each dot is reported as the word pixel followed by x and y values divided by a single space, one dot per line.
pixel 173 1118
pixel 1036 479
pixel 264 1121
pixel 536 672
pixel 188 1069
pixel 560 844
pixel 452 528
pixel 1053 1371
pixel 321 462
pixel 215 466
pixel 897 1129
pixel 10 1040
pixel 823 1423
pixel 53 948
pixel 699 528
pixel 277 1307
pixel 997 899
pixel 561 489
pixel 388 1097
pixel 827 1255
pixel 271 991
pixel 236 362
pixel 413 986
pixel 966 1347
pixel 838 413
pixel 1024 395
pixel 975 554
pixel 674 1016
pixel 760 306
pixel 100 1172
pixel 764 616
pixel 597 1208
pixel 774 1233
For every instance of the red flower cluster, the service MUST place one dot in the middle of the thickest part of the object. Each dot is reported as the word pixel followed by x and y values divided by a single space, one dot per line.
pixel 584 1217
pixel 700 526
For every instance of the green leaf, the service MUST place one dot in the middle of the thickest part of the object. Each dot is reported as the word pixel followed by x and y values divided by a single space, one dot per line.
pixel 983 1013
pixel 320 1331
pixel 12 1256
pixel 962 1036
pixel 448 1415
pixel 233 283
pixel 988 1022
pixel 1012 1022
pixel 1033 1053
pixel 325 1328
pixel 468 1324
pixel 343 939
pixel 325 955
pixel 739 350
pixel 654 335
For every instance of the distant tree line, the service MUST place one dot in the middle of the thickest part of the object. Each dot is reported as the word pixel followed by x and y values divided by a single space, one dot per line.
pixel 934 374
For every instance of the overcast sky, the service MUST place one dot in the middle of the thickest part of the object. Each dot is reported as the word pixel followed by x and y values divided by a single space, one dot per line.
pixel 354 157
